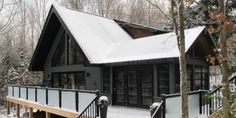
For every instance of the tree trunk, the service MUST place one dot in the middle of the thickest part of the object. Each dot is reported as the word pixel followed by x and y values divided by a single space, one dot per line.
pixel 179 31
pixel 182 61
pixel 225 68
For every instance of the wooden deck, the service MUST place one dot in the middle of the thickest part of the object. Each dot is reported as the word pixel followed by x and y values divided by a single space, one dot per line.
pixel 34 105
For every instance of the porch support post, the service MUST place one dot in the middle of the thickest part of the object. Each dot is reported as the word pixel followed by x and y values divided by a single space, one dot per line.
pixel 47 115
pixel 155 81
pixel 30 112
pixel 17 110
pixel 103 102
pixel 8 107
pixel 172 78
pixel 111 84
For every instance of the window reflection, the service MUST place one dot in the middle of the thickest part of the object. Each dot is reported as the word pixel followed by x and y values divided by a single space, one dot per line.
pixel 74 52
pixel 69 80
pixel 197 79
pixel 59 55
pixel 67 49
pixel 163 78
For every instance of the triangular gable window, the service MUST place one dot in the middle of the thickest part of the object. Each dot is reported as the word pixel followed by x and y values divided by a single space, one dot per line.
pixel 67 53
pixel 74 55
pixel 59 55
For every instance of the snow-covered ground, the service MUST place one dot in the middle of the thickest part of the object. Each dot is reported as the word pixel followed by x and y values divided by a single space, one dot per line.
pixel 3 113
pixel 113 112
pixel 127 112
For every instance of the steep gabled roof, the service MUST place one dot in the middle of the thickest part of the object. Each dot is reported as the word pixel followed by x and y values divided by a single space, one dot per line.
pixel 95 35
pixel 102 40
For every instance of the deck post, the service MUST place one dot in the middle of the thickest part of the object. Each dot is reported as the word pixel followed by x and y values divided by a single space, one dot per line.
pixel 103 102
pixel 47 115
pixel 200 101
pixel 164 105
pixel 30 112
pixel 8 107
pixel 17 110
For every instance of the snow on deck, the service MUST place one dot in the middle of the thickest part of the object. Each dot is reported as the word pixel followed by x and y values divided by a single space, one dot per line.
pixel 127 112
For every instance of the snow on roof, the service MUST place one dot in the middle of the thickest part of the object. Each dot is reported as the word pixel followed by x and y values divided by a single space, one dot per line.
pixel 152 47
pixel 104 41
pixel 95 35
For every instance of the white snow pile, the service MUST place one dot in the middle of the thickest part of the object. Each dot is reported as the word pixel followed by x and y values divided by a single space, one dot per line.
pixel 203 116
pixel 154 105
pixel 104 98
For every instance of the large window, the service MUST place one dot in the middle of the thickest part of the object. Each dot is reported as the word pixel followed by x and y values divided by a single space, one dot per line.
pixel 74 56
pixel 67 50
pixel 59 55
pixel 197 78
pixel 189 78
pixel 163 78
pixel 56 81
pixel 75 80
pixel 106 80
pixel 201 79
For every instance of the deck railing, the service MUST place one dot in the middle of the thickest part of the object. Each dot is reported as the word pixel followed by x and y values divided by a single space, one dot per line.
pixel 172 104
pixel 201 102
pixel 212 100
pixel 91 111
pixel 69 99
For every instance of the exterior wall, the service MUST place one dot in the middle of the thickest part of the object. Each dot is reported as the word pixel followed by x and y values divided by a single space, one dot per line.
pixel 92 74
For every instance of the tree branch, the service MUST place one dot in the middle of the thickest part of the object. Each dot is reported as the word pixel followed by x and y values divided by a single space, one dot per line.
pixel 159 9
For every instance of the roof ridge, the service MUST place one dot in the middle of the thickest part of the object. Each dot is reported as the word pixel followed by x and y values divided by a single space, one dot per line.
pixel 116 20
pixel 76 10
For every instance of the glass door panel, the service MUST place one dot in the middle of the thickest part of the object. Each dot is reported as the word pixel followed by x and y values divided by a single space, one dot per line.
pixel 146 87
pixel 163 78
pixel 80 81
pixel 132 87
pixel 55 80
pixel 119 84
pixel 64 83
pixel 71 81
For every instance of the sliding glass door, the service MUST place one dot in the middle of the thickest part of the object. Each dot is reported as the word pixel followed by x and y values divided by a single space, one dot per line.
pixel 133 86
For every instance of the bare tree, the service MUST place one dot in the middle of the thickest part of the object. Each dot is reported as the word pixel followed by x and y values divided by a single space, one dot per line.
pixel 12 10
pixel 179 31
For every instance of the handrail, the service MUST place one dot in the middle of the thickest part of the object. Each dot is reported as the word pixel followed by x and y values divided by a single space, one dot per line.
pixel 157 109
pixel 213 102
pixel 50 88
pixel 232 77
pixel 178 94
pixel 91 106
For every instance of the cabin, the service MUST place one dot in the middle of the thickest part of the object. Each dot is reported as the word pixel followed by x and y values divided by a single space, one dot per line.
pixel 130 63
